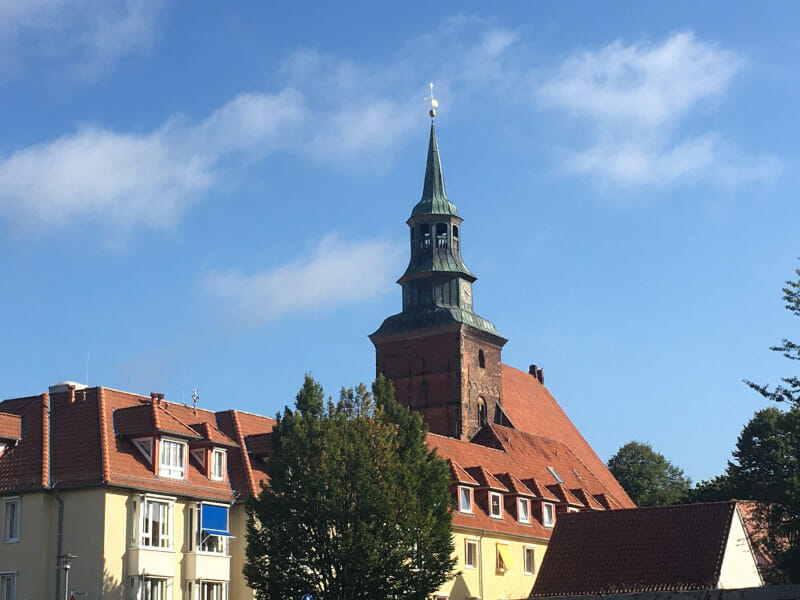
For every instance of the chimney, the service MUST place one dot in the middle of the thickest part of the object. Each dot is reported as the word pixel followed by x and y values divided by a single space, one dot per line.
pixel 156 398
pixel 537 373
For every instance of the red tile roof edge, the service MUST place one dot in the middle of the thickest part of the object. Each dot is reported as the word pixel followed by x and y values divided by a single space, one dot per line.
pixel 248 468
pixel 45 397
pixel 103 423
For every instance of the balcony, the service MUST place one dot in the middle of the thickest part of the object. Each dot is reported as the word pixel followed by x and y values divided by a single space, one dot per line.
pixel 203 565
pixel 157 562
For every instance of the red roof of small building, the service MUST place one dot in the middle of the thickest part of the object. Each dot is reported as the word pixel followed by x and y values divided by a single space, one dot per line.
pixel 636 550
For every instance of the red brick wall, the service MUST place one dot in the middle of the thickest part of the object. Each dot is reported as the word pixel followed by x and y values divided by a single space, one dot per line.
pixel 439 376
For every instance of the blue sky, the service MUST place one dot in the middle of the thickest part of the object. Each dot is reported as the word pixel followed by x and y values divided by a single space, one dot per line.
pixel 194 196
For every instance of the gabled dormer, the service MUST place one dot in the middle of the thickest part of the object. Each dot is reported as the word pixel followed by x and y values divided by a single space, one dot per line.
pixel 462 487
pixel 489 493
pixel 567 501
pixel 543 505
pixel 211 451
pixel 161 438
pixel 519 498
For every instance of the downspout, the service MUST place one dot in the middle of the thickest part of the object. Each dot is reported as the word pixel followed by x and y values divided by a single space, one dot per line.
pixel 59 536
pixel 480 571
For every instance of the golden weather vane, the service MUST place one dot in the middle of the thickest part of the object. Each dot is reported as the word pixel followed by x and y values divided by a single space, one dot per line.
pixel 434 103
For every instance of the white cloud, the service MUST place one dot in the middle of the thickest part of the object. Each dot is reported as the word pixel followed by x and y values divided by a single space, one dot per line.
pixel 89 36
pixel 335 111
pixel 335 273
pixel 704 157
pixel 637 99
pixel 137 179
pixel 648 84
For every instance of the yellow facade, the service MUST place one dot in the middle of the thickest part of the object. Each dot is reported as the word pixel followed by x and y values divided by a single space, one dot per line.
pixel 486 579
pixel 101 527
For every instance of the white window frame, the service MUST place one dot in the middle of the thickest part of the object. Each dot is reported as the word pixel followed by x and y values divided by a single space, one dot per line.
pixel 526 518
pixel 528 569
pixel 218 464
pixel 172 458
pixel 204 585
pixel 140 590
pixel 471 543
pixel 166 509
pixel 465 499
pixel 573 509
pixel 8 585
pixel 548 520
pixel 495 496
pixel 11 519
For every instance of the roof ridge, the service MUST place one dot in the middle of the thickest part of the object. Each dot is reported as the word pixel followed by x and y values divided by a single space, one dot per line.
pixel 248 469
pixel 103 423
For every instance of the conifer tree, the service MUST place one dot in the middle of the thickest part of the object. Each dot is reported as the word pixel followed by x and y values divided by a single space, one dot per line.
pixel 357 505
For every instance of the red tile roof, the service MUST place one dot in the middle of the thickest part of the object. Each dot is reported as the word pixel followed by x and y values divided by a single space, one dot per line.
pixel 10 427
pixel 513 455
pixel 22 466
pixel 532 408
pixel 636 550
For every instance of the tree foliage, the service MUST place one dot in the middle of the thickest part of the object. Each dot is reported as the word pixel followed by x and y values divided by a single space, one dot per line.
pixel 789 389
pixel 648 477
pixel 766 466
pixel 357 505
pixel 766 469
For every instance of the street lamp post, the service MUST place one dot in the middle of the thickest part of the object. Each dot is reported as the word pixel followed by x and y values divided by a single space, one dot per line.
pixel 66 563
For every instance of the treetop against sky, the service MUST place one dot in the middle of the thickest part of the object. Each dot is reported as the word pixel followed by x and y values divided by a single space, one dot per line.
pixel 214 197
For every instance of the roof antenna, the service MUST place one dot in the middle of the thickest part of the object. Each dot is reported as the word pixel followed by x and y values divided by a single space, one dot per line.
pixel 434 103
pixel 195 398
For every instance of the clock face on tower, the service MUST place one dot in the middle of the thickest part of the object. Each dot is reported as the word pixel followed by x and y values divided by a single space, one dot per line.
pixel 466 294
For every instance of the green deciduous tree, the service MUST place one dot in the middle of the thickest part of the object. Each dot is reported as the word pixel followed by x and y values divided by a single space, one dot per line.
pixel 648 477
pixel 357 505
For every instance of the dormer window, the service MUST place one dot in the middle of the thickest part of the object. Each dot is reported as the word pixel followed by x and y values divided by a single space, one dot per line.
pixel 548 514
pixel 172 458
pixel 218 464
pixel 523 510
pixel 495 505
pixel 464 499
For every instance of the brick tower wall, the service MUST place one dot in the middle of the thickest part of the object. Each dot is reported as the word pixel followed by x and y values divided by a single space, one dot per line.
pixel 439 376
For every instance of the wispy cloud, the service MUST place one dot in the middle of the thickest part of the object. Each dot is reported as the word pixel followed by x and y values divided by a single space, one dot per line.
pixel 136 179
pixel 331 275
pixel 637 99
pixel 88 36
pixel 335 111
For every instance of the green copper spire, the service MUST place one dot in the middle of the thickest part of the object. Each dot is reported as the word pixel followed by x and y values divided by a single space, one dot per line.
pixel 437 285
pixel 434 198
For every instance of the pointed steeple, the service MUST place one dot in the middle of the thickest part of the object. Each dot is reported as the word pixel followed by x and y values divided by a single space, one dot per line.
pixel 434 198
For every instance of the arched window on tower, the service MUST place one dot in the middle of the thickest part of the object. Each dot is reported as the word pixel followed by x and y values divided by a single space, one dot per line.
pixel 455 237
pixel 481 359
pixel 441 235
pixel 425 230
pixel 481 412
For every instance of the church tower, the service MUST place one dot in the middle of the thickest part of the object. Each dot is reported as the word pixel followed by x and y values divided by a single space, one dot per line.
pixel 443 358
